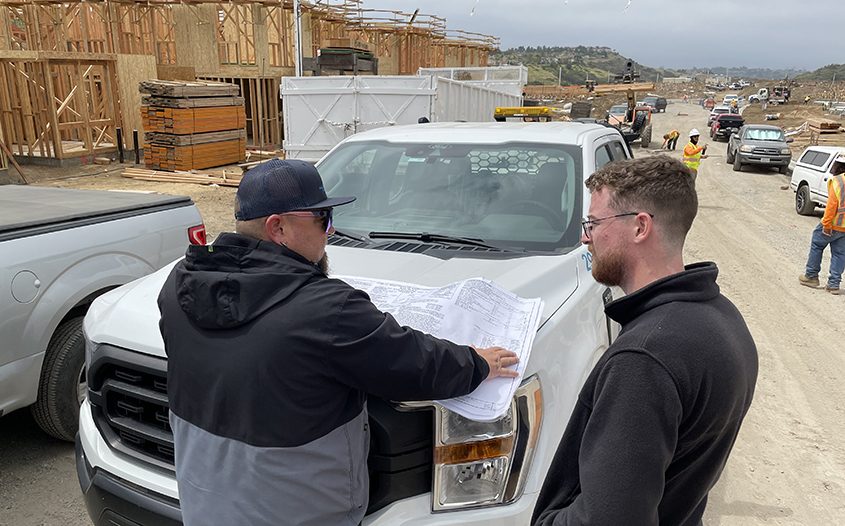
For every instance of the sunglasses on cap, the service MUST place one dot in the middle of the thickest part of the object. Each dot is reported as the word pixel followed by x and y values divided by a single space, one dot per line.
pixel 325 216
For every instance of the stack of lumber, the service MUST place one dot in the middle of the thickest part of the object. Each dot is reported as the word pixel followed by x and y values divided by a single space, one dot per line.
pixel 823 126
pixel 221 179
pixel 192 125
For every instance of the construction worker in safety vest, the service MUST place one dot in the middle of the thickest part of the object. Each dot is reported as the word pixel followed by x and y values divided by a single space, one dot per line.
pixel 829 232
pixel 693 153
pixel 670 140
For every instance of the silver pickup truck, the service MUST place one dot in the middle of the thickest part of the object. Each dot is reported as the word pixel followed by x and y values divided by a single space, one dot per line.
pixel 60 249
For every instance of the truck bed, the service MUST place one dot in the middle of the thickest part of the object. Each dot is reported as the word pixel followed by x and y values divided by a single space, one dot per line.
pixel 30 210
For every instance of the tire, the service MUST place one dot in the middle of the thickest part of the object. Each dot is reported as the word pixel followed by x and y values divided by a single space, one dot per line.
pixel 784 169
pixel 56 410
pixel 728 157
pixel 645 136
pixel 639 122
pixel 737 164
pixel 804 205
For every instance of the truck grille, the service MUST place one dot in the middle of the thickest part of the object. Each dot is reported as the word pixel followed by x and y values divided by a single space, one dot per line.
pixel 129 403
pixel 128 394
pixel 766 151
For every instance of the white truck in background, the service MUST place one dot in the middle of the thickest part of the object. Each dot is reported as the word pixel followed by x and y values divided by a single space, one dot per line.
pixel 437 203
pixel 60 250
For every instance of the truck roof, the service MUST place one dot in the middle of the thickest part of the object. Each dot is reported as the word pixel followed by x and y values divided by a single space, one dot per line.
pixel 26 207
pixel 484 132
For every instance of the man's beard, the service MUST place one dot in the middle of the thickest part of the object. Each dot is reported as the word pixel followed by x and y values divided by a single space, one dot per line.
pixel 609 269
pixel 323 264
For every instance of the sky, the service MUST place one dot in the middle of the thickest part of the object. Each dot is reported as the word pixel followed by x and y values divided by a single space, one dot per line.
pixel 800 34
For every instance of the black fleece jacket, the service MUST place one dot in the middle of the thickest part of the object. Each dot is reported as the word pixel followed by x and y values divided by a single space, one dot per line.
pixel 659 414
pixel 264 348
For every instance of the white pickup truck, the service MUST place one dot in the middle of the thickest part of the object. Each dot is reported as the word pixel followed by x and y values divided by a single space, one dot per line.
pixel 60 249
pixel 437 203
pixel 811 174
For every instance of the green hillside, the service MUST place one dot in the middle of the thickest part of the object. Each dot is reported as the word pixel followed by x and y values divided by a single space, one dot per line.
pixel 826 73
pixel 574 64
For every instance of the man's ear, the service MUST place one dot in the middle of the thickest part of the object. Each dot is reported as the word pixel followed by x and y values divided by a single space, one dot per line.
pixel 645 227
pixel 274 227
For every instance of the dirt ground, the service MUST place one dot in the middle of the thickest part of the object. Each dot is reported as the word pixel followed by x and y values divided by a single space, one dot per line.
pixel 788 465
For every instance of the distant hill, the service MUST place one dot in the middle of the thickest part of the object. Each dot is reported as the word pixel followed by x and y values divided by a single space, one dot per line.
pixel 745 72
pixel 826 73
pixel 575 64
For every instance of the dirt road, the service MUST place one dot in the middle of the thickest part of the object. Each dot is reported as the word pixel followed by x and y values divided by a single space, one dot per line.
pixel 788 466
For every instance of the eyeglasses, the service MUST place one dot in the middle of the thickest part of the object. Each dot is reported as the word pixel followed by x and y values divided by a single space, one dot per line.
pixel 325 216
pixel 589 224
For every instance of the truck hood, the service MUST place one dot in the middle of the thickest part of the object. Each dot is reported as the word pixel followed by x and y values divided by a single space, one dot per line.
pixel 765 144
pixel 128 316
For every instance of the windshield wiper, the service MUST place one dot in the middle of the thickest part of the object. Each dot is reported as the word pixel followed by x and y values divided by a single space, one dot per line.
pixel 348 235
pixel 427 237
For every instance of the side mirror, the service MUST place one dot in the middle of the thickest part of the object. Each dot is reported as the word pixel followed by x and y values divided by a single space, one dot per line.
pixel 790 139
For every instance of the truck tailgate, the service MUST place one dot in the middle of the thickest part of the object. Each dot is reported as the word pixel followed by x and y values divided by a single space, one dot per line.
pixel 27 209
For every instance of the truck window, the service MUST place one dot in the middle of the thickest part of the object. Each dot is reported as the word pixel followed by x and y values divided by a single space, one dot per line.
pixel 617 151
pixel 520 195
pixel 815 158
pixel 602 156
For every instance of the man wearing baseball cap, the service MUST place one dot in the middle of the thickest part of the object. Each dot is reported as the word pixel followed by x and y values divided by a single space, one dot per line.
pixel 270 363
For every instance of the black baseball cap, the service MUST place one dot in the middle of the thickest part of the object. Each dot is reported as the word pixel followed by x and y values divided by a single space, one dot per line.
pixel 279 186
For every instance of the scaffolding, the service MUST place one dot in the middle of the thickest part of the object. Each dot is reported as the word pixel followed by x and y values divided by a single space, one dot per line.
pixel 84 49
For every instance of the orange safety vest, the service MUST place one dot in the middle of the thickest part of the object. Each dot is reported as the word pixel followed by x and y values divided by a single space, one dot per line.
pixel 837 186
pixel 692 156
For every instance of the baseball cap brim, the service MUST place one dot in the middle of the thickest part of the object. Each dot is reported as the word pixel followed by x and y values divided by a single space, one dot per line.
pixel 331 202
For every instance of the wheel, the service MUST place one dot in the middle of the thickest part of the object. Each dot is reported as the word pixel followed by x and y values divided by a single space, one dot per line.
pixel 728 157
pixel 803 204
pixel 639 122
pixel 645 136
pixel 62 386
pixel 737 164
pixel 784 169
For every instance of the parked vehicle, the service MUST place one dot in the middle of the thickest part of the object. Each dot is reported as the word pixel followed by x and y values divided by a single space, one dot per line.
pixel 715 112
pixel 516 192
pixel 730 97
pixel 658 103
pixel 759 144
pixel 724 125
pixel 61 249
pixel 616 114
pixel 811 174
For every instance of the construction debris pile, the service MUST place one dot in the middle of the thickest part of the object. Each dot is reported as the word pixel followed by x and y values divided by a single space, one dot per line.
pixel 816 132
pixel 192 125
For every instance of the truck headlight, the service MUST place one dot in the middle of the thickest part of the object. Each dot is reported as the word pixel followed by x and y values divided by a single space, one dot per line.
pixel 746 148
pixel 785 151
pixel 479 464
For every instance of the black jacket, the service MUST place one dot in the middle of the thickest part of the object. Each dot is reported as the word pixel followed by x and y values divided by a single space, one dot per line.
pixel 659 414
pixel 265 349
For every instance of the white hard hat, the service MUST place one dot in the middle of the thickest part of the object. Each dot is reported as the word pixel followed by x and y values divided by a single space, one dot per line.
pixel 693 132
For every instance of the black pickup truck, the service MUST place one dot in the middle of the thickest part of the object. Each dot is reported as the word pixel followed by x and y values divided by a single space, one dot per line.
pixel 725 125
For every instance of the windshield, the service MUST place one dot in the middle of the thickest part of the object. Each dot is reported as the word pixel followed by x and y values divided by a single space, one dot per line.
pixel 764 135
pixel 514 195
pixel 618 110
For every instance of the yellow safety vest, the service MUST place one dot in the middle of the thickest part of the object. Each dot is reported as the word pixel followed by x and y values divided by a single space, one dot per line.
pixel 837 186
pixel 692 161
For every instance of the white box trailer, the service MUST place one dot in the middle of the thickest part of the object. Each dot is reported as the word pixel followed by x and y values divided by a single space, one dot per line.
pixel 319 112
pixel 462 101
pixel 507 79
